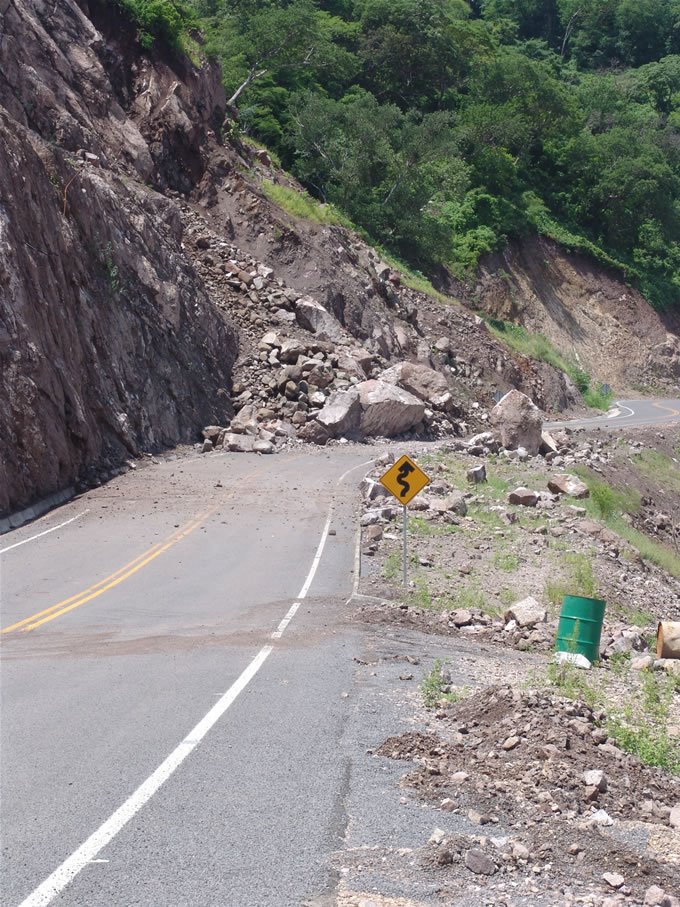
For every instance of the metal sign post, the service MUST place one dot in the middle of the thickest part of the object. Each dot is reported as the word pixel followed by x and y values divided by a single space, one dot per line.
pixel 405 534
pixel 405 479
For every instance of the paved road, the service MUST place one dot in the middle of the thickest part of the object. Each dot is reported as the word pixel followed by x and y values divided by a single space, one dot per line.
pixel 629 414
pixel 168 738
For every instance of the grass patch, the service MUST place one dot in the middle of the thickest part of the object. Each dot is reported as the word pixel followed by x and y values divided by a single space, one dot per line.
pixel 260 146
pixel 436 686
pixel 640 725
pixel 299 203
pixel 656 465
pixel 421 596
pixel 414 279
pixel 612 504
pixel 537 346
pixel 573 683
pixel 506 560
pixel 422 527
pixel 392 568
pixel 578 579
pixel 643 730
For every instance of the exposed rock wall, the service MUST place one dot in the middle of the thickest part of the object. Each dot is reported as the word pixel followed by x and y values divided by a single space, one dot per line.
pixel 109 342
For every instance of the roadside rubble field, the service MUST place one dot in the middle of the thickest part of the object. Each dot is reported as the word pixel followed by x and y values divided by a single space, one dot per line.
pixel 570 778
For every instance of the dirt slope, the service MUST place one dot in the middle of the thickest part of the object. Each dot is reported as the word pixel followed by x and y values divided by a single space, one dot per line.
pixel 587 313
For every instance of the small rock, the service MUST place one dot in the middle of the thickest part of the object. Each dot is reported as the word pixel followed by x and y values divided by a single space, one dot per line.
pixel 524 497
pixel 448 805
pixel 613 879
pixel 526 613
pixel 510 743
pixel 437 836
pixel 642 663
pixel 459 777
pixel 595 778
pixel 674 817
pixel 477 474
pixel 654 896
pixel 519 851
pixel 479 863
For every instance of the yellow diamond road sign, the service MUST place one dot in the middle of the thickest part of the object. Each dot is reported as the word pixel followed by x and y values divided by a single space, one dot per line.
pixel 404 479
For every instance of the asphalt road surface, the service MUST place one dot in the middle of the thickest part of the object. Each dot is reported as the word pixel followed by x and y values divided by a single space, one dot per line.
pixel 173 686
pixel 629 414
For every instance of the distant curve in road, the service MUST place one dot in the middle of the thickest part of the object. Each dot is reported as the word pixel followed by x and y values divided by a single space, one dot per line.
pixel 628 414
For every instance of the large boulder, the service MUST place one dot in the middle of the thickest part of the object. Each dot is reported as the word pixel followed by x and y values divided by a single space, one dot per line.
pixel 387 410
pixel 519 422
pixel 421 381
pixel 341 414
pixel 312 316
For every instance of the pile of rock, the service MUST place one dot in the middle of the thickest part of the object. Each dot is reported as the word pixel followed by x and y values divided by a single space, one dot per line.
pixel 543 767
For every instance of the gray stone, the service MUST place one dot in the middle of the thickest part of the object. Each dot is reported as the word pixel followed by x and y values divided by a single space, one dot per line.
pixel 387 410
pixel 341 414
pixel 264 447
pixel 674 817
pixel 613 879
pixel 312 316
pixel 291 350
pixel 479 862
pixel 244 422
pixel 477 474
pixel 526 612
pixel 421 381
pixel 569 485
pixel 519 422
pixel 595 778
pixel 524 497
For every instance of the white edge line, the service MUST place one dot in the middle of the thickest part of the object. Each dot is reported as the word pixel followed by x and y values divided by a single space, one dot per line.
pixel 89 850
pixel 45 532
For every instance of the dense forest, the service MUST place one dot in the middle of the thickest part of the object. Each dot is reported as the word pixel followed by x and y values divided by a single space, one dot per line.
pixel 444 128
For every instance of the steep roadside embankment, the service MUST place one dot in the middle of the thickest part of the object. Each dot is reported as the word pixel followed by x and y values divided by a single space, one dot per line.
pixel 587 312
pixel 109 343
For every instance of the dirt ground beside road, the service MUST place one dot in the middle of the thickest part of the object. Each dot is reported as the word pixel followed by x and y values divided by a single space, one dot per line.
pixel 546 784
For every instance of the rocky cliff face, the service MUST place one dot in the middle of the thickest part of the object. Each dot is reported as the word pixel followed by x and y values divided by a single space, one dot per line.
pixel 109 341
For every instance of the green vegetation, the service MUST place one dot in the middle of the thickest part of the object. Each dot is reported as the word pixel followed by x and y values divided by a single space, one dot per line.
pixel 435 688
pixel 640 724
pixel 536 346
pixel 641 728
pixel 506 560
pixel 443 128
pixel 659 466
pixel 166 21
pixel 577 579
pixel 612 506
pixel 300 204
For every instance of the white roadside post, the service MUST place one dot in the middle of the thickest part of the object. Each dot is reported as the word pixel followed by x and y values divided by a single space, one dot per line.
pixel 404 479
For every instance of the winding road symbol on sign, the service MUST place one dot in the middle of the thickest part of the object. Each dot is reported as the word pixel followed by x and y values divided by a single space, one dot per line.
pixel 405 479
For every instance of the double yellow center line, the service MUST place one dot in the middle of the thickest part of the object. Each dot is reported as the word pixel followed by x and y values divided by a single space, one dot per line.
pixel 109 582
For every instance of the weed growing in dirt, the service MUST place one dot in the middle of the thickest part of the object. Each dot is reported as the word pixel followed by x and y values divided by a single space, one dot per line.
pixel 641 728
pixel 392 568
pixel 419 526
pixel 437 686
pixel 573 683
pixel 421 596
pixel 640 725
pixel 610 505
pixel 578 579
pixel 506 560
pixel 659 466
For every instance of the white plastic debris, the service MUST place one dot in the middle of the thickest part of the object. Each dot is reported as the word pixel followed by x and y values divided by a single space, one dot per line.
pixel 572 658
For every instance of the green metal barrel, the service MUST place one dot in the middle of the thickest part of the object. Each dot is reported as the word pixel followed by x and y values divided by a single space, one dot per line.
pixel 580 626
